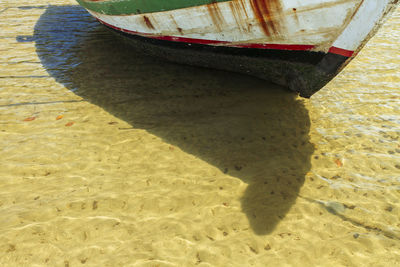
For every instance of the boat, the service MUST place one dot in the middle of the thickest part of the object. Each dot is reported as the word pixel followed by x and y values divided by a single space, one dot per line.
pixel 299 44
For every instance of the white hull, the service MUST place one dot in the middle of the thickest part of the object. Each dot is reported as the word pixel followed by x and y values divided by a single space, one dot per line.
pixel 343 24
pixel 301 44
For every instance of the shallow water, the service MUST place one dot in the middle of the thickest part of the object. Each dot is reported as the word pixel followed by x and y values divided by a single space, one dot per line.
pixel 112 158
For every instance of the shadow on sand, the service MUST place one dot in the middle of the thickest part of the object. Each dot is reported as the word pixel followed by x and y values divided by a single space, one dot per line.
pixel 244 126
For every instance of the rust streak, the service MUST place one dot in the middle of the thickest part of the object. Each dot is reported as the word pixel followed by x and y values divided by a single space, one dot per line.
pixel 239 12
pixel 317 6
pixel 173 20
pixel 266 12
pixel 355 11
pixel 148 22
pixel 349 18
pixel 235 13
pixel 180 30
pixel 215 14
pixel 242 3
pixel 295 14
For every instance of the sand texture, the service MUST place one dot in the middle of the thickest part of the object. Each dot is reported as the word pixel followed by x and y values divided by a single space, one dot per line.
pixel 111 158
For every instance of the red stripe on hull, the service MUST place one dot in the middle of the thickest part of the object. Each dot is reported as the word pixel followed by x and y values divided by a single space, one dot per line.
pixel 293 47
pixel 340 51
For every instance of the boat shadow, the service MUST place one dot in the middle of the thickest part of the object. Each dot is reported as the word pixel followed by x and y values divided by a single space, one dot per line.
pixel 246 127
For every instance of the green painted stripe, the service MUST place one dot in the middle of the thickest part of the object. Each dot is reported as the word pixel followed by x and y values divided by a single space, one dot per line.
pixel 126 7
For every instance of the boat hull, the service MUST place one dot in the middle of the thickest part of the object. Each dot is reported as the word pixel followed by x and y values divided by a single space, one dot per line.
pixel 301 46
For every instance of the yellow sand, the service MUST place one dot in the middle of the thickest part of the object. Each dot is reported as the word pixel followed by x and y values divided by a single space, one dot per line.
pixel 111 158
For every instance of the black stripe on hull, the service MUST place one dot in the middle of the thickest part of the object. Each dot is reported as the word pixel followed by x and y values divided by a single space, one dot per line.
pixel 304 72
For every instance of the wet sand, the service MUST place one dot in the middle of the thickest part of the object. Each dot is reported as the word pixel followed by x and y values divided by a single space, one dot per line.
pixel 112 158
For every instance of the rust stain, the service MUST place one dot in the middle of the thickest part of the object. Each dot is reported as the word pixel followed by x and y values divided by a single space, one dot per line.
pixel 317 6
pixel 148 22
pixel 173 19
pixel 349 18
pixel 236 14
pixel 267 12
pixel 357 8
pixel 239 12
pixel 215 14
pixel 243 5
pixel 295 14
pixel 180 30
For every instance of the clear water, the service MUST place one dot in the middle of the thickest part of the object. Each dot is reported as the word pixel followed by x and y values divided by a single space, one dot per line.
pixel 112 158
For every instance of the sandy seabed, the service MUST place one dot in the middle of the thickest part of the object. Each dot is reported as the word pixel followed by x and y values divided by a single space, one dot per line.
pixel 112 158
